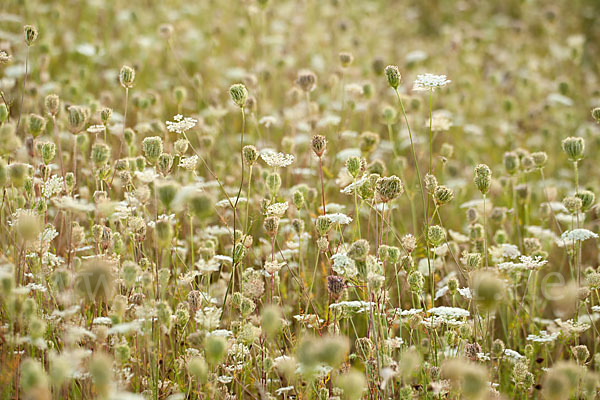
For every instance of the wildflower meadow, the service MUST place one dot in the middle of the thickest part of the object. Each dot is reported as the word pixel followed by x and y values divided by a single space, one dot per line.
pixel 299 199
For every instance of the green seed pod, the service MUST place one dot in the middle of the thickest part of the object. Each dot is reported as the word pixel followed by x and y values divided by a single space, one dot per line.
pixel 527 162
pixel 319 144
pixel 31 34
pixel 389 114
pixel 215 349
pixel 167 191
pixel 587 198
pixel 436 235
pixel 48 151
pixel 323 225
pixel 165 163
pixel 368 141
pixel 443 195
pixel 416 281
pixel 389 188
pixel 18 173
pixel 152 148
pixel 392 73
pixel 273 183
pixel 52 104
pixel 164 232
pixel 77 119
pixel 36 124
pixel 596 114
pixel 180 94
pixel 100 154
pixel 358 250
pixel 198 369
pixel 539 158
pixel 353 165
pixel 298 199
pixel 70 181
pixel 250 154
pixel 511 162
pixel 105 115
pixel 126 76
pixel 483 177
pixel 574 147
pixel 238 94
pixel 430 183
pixel 3 113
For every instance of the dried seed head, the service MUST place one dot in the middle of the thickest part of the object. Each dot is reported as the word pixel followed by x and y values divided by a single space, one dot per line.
pixel 306 80
pixel 358 250
pixel 389 188
pixel 319 144
pixel 436 235
pixel 596 114
pixel 540 158
pixel 572 204
pixel 335 286
pixel 105 115
pixel 77 118
pixel 353 165
pixel 271 225
pixel 430 183
pixel 587 198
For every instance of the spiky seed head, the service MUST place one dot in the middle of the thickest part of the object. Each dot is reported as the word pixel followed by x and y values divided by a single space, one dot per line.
pixel 511 162
pixel 323 225
pixel 389 188
pixel 31 34
pixel 105 115
pixel 574 147
pixel 181 146
pixel 346 59
pixel 392 73
pixel 353 165
pixel 126 76
pixel 306 80
pixel 165 163
pixel 483 178
pixel 436 235
pixel 596 114
pixel 319 144
pixel 358 250
pixel 48 151
pixel 77 118
pixel 581 353
pixel 100 154
pixel 587 198
pixel 152 147
pixel 430 183
pixel 52 104
pixel 540 158
pixel 273 183
pixel 335 286
pixel 271 225
pixel 443 195
pixel 238 94
pixel 167 191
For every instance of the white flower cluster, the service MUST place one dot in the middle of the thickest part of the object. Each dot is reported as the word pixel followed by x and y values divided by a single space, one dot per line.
pixel 188 163
pixel 429 82
pixel 53 186
pixel 339 218
pixel 578 235
pixel 277 160
pixel 277 209
pixel 181 124
pixel 526 263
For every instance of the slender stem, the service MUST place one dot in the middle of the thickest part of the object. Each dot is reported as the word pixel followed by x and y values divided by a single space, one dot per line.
pixel 24 86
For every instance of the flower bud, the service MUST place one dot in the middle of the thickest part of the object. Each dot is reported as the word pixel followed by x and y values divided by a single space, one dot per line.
pixel 36 124
pixel 250 154
pixel 105 115
pixel 353 165
pixel 443 195
pixel 540 158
